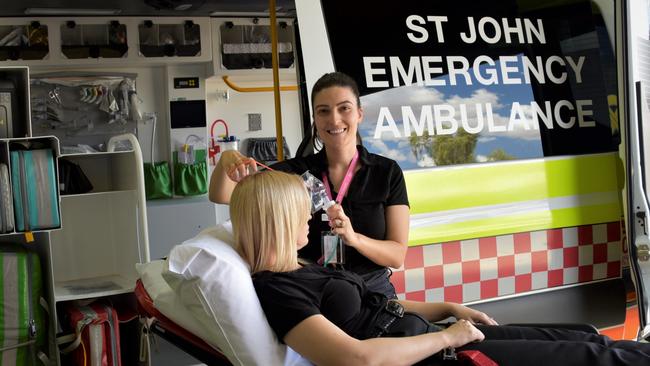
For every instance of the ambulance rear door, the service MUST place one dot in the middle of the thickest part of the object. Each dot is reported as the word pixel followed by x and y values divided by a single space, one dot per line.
pixel 636 30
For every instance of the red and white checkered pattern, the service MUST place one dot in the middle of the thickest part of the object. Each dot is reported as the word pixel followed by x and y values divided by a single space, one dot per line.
pixel 479 269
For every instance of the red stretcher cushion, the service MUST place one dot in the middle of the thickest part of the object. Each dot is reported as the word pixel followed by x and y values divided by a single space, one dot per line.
pixel 147 309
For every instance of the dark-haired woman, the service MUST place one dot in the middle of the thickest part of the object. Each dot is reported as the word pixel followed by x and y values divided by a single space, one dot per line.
pixel 371 215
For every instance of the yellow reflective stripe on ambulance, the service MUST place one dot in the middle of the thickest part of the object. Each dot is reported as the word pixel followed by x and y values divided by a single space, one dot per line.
pixel 463 202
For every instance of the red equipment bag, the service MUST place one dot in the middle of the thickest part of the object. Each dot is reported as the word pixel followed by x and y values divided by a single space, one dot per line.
pixel 96 340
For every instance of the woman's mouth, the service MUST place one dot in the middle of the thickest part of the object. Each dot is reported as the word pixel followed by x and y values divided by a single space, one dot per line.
pixel 336 131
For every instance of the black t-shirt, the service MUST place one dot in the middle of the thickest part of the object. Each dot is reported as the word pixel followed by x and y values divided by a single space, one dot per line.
pixel 378 183
pixel 291 297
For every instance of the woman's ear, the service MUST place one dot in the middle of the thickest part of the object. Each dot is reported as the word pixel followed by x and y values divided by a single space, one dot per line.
pixel 360 114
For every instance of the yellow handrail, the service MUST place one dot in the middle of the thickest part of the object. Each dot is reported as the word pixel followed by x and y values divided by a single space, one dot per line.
pixel 276 82
pixel 256 88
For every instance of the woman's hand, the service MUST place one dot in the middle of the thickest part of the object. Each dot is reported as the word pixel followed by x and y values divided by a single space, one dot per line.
pixel 236 165
pixel 341 225
pixel 471 315
pixel 461 333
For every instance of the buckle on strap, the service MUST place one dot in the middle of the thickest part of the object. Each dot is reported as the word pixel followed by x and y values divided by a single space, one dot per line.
pixel 449 354
pixel 394 308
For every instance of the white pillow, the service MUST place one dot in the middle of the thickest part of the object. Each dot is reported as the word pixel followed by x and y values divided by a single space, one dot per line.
pixel 215 285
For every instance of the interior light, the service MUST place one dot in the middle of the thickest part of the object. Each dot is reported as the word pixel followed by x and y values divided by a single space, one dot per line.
pixel 71 11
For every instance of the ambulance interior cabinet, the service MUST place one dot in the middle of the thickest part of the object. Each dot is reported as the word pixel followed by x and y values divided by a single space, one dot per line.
pixel 102 233
pixel 28 41
pixel 177 39
pixel 243 45
pixel 105 40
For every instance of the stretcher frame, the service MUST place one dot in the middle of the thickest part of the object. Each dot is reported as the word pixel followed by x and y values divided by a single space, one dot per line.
pixel 162 326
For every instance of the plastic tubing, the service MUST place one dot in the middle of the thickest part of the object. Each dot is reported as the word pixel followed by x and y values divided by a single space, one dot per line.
pixel 214 123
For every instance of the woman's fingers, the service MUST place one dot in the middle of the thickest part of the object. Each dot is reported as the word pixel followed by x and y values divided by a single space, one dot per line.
pixel 482 318
pixel 463 332
pixel 474 316
pixel 341 225
pixel 335 212
pixel 490 321
pixel 241 168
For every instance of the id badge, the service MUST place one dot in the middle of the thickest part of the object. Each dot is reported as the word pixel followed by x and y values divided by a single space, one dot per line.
pixel 332 248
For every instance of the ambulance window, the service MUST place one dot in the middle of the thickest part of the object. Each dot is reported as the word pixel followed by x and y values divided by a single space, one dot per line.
pixel 466 82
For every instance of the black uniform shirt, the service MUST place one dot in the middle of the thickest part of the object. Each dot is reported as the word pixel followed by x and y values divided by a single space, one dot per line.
pixel 291 297
pixel 378 183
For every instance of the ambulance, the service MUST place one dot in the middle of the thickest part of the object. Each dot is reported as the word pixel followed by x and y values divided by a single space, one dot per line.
pixel 519 126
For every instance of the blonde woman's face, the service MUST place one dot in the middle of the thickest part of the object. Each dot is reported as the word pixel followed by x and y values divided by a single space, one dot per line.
pixel 303 233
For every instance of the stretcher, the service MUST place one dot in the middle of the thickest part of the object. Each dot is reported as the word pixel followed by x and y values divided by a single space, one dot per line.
pixel 162 326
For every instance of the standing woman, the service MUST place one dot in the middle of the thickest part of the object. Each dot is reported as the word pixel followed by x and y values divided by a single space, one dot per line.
pixel 371 214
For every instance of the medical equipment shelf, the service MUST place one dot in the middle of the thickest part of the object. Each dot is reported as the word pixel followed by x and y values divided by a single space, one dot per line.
pixel 98 286
pixel 94 154
pixel 100 238
pixel 103 169
pixel 104 231
pixel 70 196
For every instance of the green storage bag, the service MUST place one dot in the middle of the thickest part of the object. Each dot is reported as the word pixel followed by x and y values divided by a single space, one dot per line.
pixel 191 179
pixel 23 326
pixel 157 176
pixel 157 180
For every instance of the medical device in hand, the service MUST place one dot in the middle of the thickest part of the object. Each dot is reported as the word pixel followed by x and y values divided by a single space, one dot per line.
pixel 332 245
pixel 317 192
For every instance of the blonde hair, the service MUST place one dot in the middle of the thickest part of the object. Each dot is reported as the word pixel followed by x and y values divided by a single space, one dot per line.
pixel 268 210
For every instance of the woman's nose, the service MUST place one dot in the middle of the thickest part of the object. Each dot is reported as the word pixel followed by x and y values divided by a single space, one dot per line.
pixel 336 116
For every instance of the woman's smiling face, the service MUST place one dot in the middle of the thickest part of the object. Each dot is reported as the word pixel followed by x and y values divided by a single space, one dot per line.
pixel 337 116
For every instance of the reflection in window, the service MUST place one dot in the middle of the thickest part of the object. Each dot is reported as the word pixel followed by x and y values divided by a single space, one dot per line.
pixel 511 80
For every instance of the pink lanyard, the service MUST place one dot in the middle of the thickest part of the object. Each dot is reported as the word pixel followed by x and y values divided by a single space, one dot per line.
pixel 346 180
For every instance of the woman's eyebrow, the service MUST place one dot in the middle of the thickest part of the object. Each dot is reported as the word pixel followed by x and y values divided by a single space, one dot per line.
pixel 337 104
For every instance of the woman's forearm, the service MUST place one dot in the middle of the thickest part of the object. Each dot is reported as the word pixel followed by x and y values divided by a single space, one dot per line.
pixel 387 253
pixel 221 186
pixel 403 351
pixel 323 343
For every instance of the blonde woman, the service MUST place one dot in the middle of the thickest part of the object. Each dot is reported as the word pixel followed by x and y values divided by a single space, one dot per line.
pixel 331 318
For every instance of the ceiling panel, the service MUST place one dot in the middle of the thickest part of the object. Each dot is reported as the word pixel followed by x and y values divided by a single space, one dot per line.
pixel 9 8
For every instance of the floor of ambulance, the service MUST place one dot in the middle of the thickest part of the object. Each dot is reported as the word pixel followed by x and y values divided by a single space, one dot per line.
pixel 630 328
